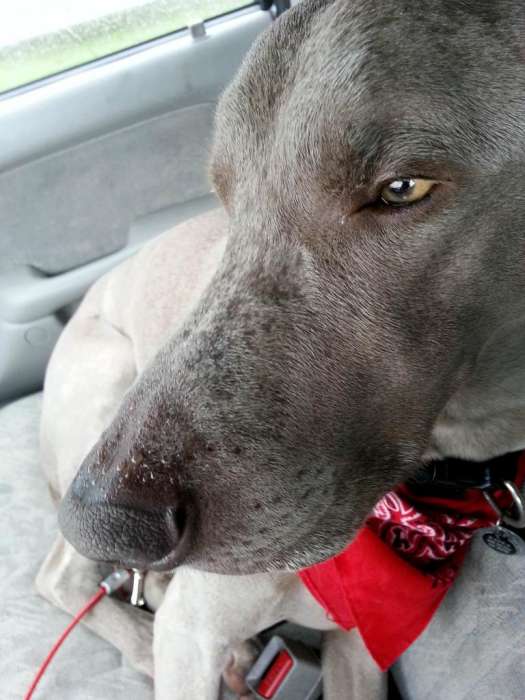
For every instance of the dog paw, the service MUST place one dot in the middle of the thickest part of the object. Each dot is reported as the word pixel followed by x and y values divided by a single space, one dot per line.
pixel 234 675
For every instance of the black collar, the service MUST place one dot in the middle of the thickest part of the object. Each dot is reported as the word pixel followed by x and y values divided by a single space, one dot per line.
pixel 452 477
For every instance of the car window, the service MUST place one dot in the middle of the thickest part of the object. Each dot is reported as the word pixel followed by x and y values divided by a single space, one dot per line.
pixel 39 39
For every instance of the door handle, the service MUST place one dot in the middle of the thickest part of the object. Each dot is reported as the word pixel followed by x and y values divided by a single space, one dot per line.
pixel 28 295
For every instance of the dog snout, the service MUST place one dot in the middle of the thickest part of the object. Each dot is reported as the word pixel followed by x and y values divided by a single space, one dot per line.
pixel 127 515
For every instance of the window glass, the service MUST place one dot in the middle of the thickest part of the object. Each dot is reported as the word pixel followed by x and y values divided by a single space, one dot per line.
pixel 41 37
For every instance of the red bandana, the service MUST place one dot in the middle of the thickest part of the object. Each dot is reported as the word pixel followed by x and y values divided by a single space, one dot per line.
pixel 391 579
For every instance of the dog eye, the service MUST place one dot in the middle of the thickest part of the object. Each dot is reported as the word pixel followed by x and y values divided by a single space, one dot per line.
pixel 406 190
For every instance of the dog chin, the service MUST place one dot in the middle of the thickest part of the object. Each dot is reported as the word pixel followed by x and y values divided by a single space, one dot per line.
pixel 291 562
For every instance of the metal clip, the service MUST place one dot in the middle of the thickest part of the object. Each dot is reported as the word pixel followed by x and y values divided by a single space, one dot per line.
pixel 516 519
pixel 112 583
pixel 137 589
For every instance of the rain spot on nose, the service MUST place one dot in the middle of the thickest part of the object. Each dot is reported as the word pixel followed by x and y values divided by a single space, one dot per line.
pixel 137 458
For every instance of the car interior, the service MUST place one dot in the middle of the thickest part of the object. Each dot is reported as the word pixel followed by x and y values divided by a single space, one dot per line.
pixel 106 117
pixel 107 112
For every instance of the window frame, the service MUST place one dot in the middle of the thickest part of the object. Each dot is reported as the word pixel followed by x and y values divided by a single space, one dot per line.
pixel 120 54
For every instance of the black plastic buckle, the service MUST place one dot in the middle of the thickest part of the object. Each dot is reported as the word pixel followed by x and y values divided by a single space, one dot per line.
pixel 452 477
pixel 279 6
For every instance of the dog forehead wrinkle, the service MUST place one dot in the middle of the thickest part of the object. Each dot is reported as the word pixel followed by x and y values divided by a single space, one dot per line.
pixel 433 124
pixel 445 108
pixel 248 107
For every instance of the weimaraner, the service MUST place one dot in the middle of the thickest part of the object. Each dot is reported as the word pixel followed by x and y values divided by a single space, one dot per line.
pixel 357 312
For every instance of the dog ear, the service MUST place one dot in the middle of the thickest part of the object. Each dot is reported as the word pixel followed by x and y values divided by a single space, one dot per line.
pixel 485 415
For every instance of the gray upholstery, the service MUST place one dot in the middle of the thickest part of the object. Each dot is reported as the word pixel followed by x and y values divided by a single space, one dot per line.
pixel 87 668
pixel 160 163
pixel 83 155
pixel 474 649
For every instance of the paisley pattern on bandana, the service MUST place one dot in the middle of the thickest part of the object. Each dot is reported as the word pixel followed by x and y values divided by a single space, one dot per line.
pixel 391 579
pixel 421 537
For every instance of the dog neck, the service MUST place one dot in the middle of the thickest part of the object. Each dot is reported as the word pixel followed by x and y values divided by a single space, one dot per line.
pixel 486 415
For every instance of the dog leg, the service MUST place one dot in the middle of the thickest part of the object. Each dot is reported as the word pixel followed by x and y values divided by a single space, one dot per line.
pixel 201 619
pixel 349 672
pixel 242 658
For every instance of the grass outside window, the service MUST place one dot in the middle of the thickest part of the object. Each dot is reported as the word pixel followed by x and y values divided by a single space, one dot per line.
pixel 39 39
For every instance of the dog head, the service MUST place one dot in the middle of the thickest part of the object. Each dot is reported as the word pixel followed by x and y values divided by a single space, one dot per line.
pixel 370 156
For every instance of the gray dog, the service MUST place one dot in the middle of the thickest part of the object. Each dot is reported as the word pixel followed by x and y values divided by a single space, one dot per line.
pixel 366 314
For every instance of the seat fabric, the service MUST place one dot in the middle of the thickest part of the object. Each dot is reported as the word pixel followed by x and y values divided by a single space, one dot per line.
pixel 87 667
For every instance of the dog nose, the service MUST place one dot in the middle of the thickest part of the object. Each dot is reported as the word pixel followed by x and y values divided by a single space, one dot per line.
pixel 127 527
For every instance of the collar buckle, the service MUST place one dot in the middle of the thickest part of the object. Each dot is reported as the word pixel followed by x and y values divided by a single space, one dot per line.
pixel 451 477
pixel 515 517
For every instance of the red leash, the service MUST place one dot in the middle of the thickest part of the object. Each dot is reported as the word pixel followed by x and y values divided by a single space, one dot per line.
pixel 109 585
pixel 56 646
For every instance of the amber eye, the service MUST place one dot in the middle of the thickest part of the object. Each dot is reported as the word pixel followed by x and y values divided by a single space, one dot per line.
pixel 406 190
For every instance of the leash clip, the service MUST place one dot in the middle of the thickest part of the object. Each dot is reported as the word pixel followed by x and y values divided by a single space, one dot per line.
pixel 128 586
pixel 514 518
pixel 136 597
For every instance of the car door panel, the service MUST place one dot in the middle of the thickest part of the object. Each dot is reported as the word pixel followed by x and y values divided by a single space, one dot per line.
pixel 93 164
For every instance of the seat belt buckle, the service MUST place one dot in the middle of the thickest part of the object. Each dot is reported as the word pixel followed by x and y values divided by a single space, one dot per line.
pixel 286 670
